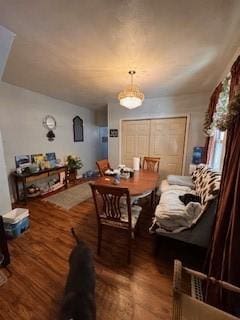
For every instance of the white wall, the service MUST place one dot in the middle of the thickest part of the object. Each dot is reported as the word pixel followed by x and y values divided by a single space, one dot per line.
pixel 21 115
pixel 5 203
pixel 194 105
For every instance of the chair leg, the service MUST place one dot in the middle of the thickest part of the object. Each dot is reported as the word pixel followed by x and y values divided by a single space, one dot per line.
pixel 129 246
pixel 137 229
pixel 154 199
pixel 99 239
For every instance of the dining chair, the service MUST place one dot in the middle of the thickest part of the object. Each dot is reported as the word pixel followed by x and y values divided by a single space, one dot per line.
pixel 103 165
pixel 151 163
pixel 113 209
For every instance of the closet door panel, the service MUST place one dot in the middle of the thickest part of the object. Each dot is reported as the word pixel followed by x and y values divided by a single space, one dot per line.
pixel 135 140
pixel 167 138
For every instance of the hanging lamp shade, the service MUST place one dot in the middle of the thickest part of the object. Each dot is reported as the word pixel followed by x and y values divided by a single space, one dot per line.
pixel 131 97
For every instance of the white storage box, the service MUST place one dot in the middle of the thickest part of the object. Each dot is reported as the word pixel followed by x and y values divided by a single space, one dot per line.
pixel 16 221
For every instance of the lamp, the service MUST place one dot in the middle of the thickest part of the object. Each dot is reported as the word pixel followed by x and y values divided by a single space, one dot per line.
pixel 131 97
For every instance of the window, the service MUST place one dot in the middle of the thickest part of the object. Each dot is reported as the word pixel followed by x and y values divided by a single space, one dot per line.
pixel 217 144
pixel 218 150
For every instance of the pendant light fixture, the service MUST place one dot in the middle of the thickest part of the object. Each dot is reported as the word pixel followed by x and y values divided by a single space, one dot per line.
pixel 131 97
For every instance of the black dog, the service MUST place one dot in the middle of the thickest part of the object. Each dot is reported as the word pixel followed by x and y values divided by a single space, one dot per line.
pixel 189 197
pixel 79 296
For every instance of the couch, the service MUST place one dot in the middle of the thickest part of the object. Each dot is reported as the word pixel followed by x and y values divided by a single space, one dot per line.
pixel 195 230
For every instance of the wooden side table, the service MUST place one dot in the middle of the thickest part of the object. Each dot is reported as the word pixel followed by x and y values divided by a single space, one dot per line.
pixel 25 178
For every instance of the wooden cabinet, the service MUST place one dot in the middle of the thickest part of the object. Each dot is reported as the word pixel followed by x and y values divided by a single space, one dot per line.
pixel 25 179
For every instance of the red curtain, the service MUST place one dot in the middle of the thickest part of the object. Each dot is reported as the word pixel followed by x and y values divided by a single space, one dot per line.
pixel 211 109
pixel 224 258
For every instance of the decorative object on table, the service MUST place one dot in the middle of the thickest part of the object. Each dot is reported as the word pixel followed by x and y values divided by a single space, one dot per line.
pixel 73 164
pixel 131 97
pixel 22 161
pixel 37 158
pixel 116 179
pixel 34 168
pixel 51 157
pixel 73 196
pixel 126 172
pixel 113 133
pixel 136 163
pixel 78 129
pixel 33 191
pixel 50 124
pixel 197 157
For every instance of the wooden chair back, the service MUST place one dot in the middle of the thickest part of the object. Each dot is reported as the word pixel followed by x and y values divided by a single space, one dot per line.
pixel 108 201
pixel 151 163
pixel 103 165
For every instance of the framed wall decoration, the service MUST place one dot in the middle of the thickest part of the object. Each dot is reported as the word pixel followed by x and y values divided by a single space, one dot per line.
pixel 78 129
pixel 23 160
pixel 113 133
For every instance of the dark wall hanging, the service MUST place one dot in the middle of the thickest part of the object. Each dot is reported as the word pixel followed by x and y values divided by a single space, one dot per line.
pixel 78 129
pixel 113 133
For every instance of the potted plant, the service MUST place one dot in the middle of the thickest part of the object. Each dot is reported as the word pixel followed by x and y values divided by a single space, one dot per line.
pixel 73 163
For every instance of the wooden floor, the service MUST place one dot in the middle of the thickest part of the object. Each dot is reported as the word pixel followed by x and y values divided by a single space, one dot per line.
pixel 39 265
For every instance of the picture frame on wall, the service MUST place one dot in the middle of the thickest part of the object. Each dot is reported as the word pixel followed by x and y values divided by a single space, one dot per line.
pixel 78 129
pixel 113 133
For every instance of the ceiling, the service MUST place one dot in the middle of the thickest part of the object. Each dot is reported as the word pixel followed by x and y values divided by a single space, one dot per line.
pixel 80 51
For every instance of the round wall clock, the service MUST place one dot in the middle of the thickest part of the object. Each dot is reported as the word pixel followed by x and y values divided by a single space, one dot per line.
pixel 49 122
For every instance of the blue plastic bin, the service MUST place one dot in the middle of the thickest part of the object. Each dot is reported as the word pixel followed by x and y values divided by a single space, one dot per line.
pixel 14 230
pixel 16 222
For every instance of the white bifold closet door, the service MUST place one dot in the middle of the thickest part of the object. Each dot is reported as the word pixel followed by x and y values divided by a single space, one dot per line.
pixel 164 138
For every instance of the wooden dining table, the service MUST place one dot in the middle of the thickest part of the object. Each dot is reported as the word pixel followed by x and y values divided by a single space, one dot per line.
pixel 143 181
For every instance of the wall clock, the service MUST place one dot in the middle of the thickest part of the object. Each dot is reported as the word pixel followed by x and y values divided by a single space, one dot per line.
pixel 49 123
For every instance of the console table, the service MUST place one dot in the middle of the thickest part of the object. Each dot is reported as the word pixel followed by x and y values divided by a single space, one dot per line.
pixel 25 178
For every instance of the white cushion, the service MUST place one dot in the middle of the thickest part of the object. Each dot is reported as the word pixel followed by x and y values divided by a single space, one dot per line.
pixel 136 210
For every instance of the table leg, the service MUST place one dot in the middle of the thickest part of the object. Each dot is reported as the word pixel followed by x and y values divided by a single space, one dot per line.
pixel 24 191
pixel 17 189
pixel 153 199
pixel 66 183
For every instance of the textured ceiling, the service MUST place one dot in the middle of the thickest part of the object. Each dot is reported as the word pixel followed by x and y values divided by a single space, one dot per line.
pixel 81 51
